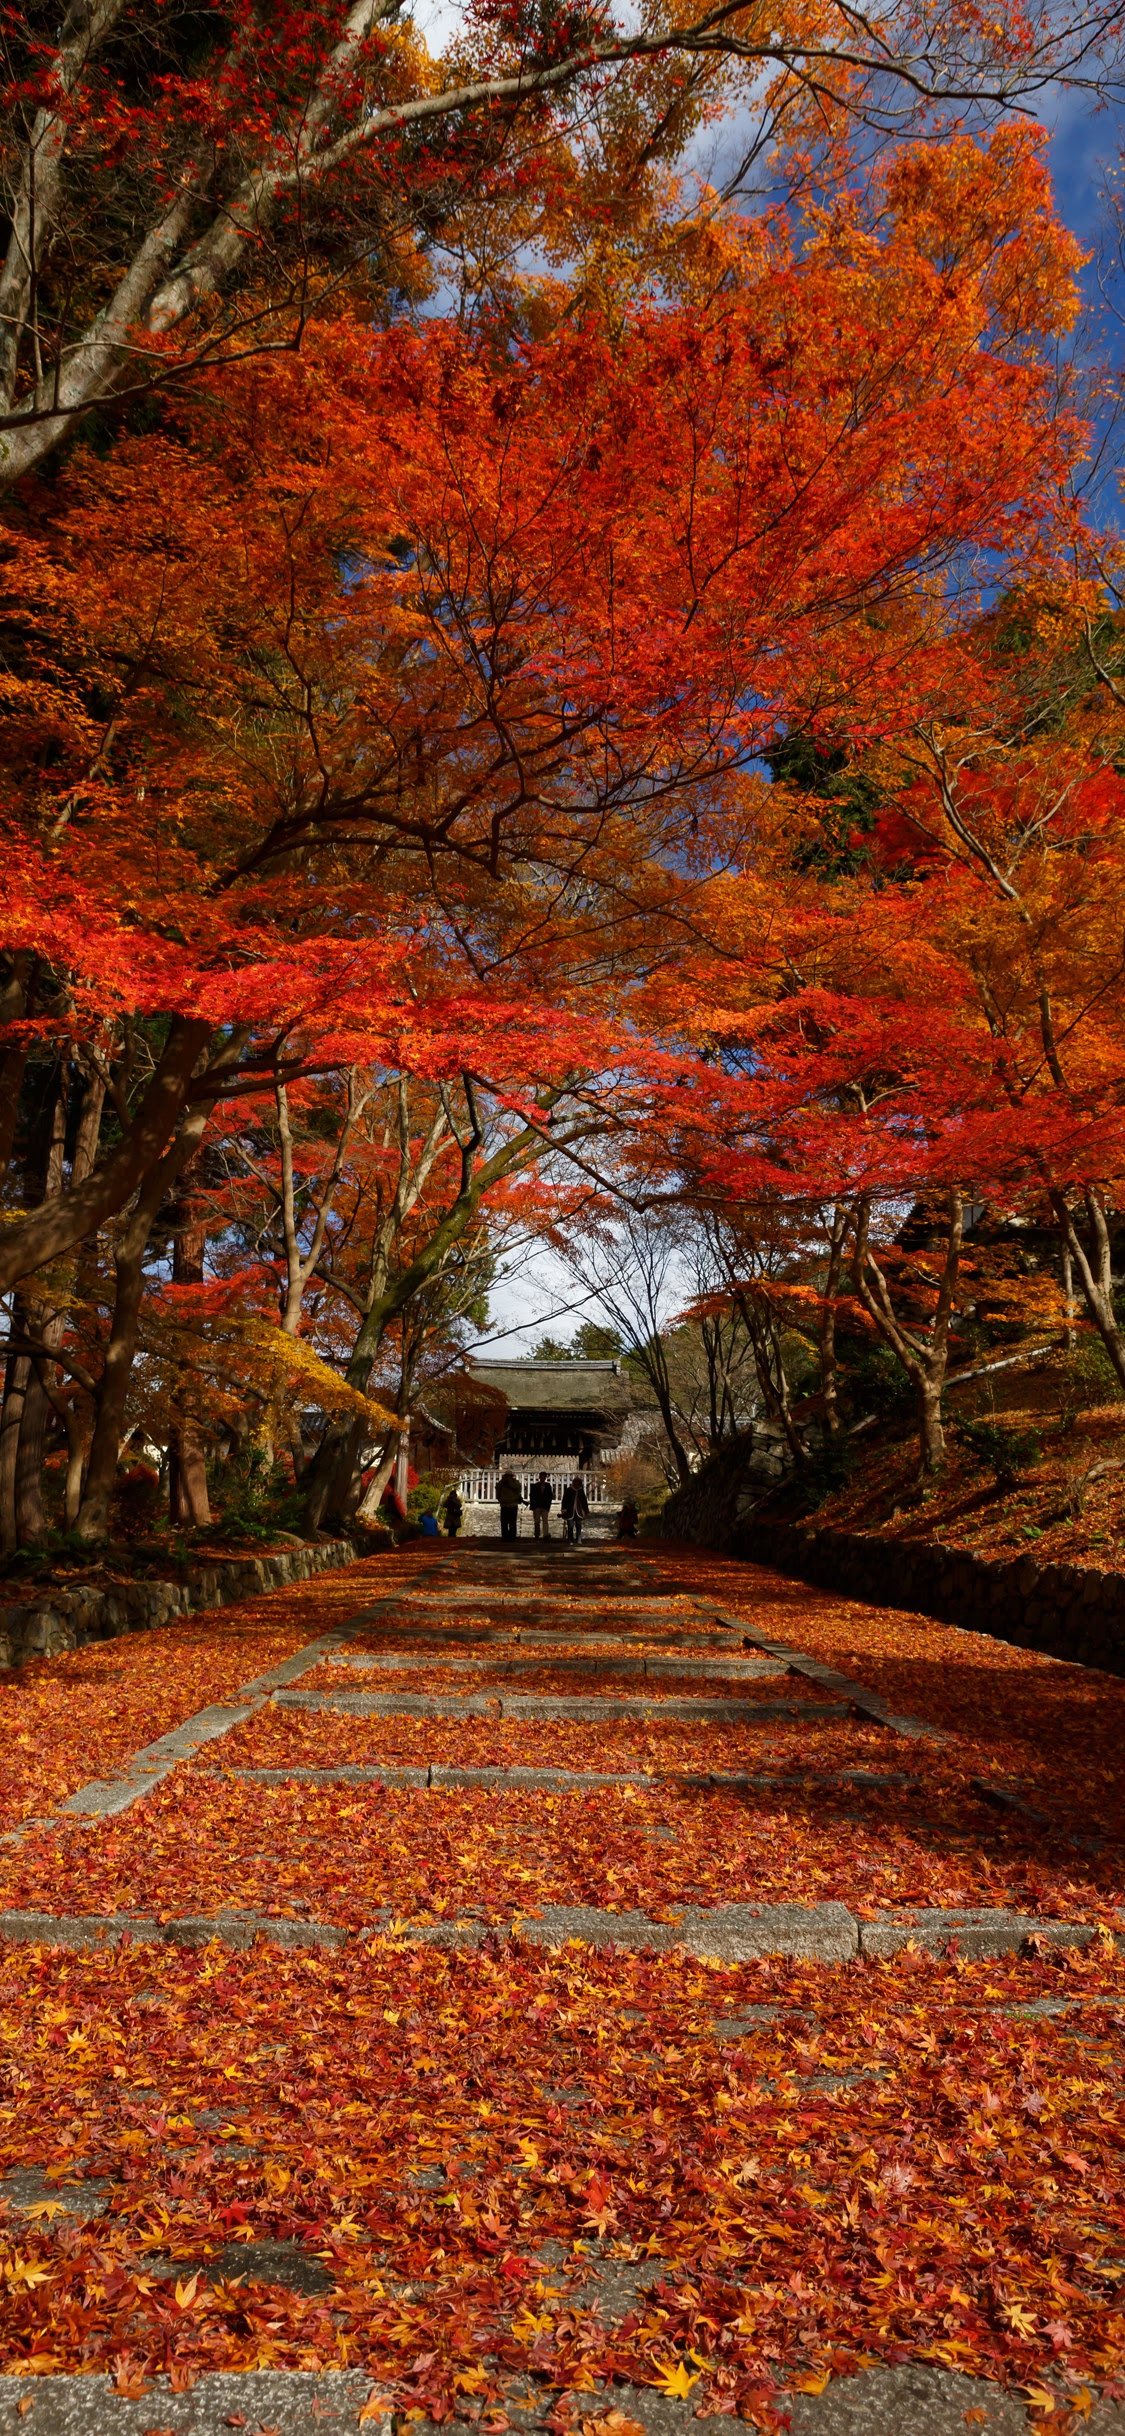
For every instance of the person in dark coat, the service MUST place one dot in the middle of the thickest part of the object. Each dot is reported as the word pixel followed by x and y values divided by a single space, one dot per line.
pixel 541 1500
pixel 509 1497
pixel 574 1507
pixel 454 1514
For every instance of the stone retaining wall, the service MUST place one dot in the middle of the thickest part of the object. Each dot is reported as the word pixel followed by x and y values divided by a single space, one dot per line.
pixel 1067 1611
pixel 64 1619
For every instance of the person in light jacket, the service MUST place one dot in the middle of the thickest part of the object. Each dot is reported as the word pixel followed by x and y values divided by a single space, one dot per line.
pixel 509 1498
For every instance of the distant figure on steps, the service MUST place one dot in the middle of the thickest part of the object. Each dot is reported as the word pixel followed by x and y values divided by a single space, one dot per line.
pixel 627 1520
pixel 510 1499
pixel 454 1514
pixel 574 1507
pixel 541 1500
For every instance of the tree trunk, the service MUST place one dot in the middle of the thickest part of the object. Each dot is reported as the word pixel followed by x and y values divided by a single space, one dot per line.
pixel 1070 1333
pixel 32 1520
pixel 1094 1266
pixel 368 1508
pixel 188 1501
pixel 662 1392
pixel 62 1222
pixel 829 1367
pixel 923 1353
pixel 13 1061
pixel 75 1466
pixel 328 1480
pixel 17 1371
pixel 1093 1262
pixel 328 1477
pixel 45 1322
pixel 113 1387
pixel 760 1323
pixel 931 1427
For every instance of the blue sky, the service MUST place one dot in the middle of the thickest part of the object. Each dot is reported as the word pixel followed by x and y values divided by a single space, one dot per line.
pixel 1083 146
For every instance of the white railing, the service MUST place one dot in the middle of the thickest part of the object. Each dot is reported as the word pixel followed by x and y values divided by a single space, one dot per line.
pixel 479 1488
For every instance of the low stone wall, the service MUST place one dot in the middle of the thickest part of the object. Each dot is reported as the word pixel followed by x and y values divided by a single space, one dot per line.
pixel 64 1619
pixel 1067 1611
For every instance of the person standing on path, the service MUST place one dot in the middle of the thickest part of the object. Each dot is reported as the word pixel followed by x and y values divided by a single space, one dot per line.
pixel 454 1514
pixel 509 1499
pixel 541 1500
pixel 574 1507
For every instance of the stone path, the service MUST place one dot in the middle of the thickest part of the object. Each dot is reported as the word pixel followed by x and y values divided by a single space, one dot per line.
pixel 479 1618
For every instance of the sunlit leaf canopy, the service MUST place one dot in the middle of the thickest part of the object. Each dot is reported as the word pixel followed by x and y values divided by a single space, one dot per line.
pixel 433 505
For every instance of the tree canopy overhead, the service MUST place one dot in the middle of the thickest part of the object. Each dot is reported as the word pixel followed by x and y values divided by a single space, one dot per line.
pixel 188 181
pixel 388 857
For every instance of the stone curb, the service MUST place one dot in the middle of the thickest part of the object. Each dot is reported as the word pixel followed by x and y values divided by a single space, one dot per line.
pixel 1005 1799
pixel 289 2401
pixel 417 1779
pixel 730 1932
pixel 584 1712
pixel 978 1935
pixel 868 1703
pixel 104 1799
pixel 527 1638
pixel 735 1932
pixel 645 1609
pixel 81 1930
pixel 725 1670
pixel 575 1780
pixel 880 2401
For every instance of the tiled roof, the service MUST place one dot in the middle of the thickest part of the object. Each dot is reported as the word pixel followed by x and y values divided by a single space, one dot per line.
pixel 559 1387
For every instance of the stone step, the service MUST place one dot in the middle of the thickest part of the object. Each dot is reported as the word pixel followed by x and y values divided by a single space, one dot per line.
pixel 438 1779
pixel 518 1636
pixel 608 1604
pixel 725 1669
pixel 729 1932
pixel 585 1712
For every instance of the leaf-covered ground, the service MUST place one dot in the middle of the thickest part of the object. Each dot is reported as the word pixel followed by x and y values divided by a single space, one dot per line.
pixel 317 1738
pixel 448 1679
pixel 66 1720
pixel 1058 1729
pixel 463 2168
pixel 346 1853
pixel 889 2162
pixel 1067 1508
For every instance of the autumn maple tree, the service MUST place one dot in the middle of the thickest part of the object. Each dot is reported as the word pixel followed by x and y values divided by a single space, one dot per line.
pixel 385 705
pixel 932 1009
pixel 186 188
